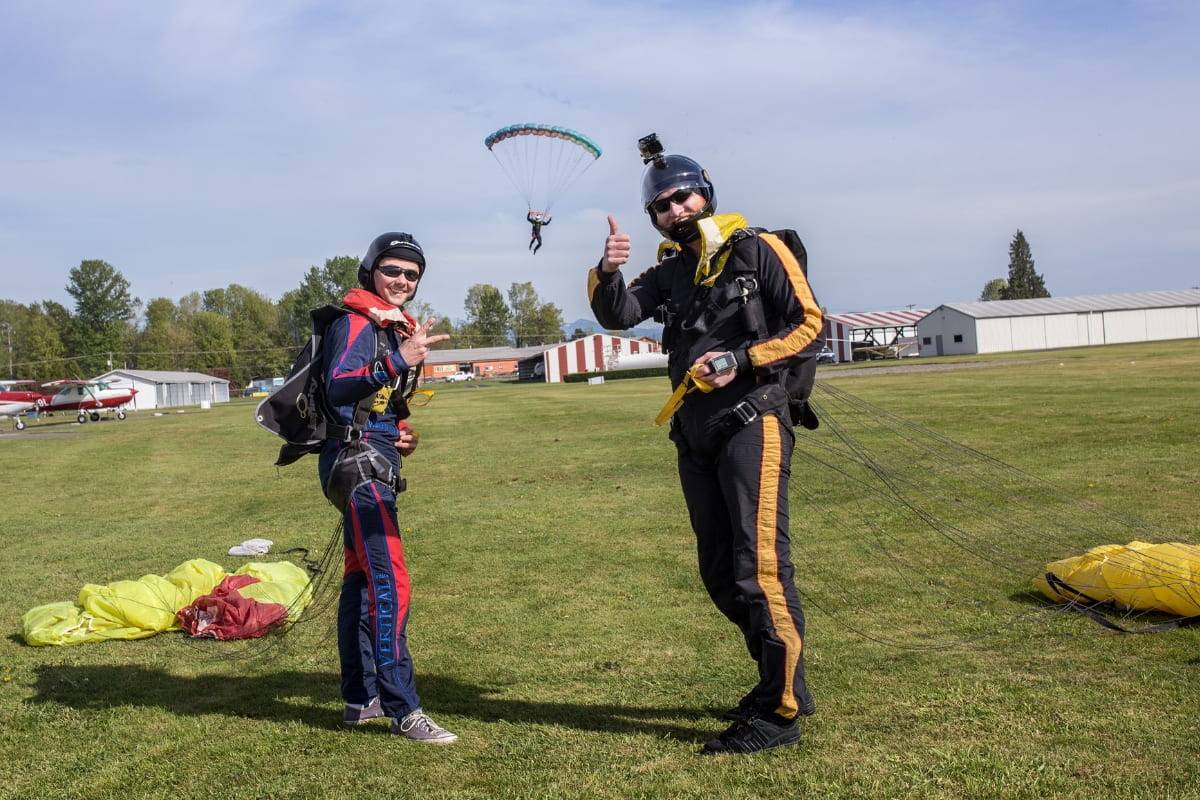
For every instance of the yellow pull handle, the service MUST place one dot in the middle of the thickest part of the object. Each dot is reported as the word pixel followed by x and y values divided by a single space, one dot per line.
pixel 688 384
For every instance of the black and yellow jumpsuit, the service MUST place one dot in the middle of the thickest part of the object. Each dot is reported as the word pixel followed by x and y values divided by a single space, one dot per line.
pixel 734 473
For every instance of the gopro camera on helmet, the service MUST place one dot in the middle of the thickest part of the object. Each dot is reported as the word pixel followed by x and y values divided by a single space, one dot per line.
pixel 650 147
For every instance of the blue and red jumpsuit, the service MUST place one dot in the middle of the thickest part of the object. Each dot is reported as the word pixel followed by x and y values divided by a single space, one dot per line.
pixel 374 604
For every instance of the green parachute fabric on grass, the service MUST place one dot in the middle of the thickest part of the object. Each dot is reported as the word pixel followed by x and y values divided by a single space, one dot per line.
pixel 137 609
pixel 1138 575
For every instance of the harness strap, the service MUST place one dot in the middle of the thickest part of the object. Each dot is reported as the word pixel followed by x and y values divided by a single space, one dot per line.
pixel 763 400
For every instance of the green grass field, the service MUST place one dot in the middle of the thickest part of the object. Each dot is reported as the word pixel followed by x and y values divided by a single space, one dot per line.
pixel 558 624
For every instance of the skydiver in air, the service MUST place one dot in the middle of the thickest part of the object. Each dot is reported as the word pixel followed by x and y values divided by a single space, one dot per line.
pixel 536 219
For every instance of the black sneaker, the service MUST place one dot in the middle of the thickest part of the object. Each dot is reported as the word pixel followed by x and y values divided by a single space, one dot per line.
pixel 743 710
pixel 746 709
pixel 752 735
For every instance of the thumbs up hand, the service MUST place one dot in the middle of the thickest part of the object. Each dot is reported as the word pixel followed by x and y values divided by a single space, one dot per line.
pixel 616 247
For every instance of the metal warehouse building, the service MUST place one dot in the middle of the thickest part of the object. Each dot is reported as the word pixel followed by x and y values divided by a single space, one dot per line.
pixel 160 389
pixel 999 326
pixel 891 333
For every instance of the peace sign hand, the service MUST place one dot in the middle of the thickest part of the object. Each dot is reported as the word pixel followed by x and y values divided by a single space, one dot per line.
pixel 414 349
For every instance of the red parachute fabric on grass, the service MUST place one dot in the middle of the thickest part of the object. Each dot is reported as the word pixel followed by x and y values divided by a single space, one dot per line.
pixel 225 614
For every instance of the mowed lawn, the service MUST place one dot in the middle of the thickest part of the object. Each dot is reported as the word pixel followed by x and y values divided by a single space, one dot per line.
pixel 558 624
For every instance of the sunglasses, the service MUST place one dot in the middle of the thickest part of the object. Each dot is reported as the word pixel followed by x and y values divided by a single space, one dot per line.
pixel 392 271
pixel 679 196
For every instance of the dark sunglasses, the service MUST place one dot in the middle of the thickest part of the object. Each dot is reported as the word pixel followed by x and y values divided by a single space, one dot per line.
pixel 392 271
pixel 679 196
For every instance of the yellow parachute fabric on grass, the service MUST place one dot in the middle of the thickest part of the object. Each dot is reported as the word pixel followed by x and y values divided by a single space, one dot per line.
pixel 279 582
pixel 141 608
pixel 1139 575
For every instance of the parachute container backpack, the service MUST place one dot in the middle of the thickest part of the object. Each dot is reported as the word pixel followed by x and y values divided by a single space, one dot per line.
pixel 295 411
pixel 542 161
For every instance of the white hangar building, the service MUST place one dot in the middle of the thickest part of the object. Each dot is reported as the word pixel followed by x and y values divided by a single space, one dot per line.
pixel 999 326
pixel 162 389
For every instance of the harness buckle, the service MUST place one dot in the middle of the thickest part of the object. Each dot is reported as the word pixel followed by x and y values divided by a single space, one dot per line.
pixel 744 412
pixel 748 286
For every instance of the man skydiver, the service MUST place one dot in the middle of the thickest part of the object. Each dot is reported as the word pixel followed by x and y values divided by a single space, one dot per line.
pixel 370 355
pixel 734 437
pixel 537 220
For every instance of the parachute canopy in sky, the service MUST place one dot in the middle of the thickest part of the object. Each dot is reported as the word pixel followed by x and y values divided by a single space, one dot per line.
pixel 542 161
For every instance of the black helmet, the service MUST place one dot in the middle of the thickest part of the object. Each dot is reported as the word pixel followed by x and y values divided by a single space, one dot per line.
pixel 399 245
pixel 677 172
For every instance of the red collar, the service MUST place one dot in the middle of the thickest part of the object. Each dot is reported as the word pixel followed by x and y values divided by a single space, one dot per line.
pixel 380 311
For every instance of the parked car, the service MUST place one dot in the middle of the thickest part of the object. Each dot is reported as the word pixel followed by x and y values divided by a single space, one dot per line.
pixel 826 356
pixel 460 376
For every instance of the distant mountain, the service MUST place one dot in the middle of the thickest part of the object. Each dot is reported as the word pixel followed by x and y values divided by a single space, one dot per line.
pixel 651 329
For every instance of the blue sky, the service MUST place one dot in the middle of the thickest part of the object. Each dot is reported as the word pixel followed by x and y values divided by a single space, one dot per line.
pixel 199 144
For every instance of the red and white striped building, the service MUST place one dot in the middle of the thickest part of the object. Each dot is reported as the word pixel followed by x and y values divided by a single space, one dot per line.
pixel 595 353
pixel 870 328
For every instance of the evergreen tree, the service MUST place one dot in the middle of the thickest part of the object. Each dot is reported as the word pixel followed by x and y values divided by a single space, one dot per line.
pixel 1023 280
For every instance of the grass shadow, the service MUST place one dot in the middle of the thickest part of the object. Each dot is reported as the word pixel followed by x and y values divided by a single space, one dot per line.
pixel 312 698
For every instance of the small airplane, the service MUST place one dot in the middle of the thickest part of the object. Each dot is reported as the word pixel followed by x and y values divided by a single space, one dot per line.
pixel 14 403
pixel 89 398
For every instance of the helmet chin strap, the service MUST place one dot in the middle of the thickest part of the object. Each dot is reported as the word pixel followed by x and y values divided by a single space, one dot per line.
pixel 686 231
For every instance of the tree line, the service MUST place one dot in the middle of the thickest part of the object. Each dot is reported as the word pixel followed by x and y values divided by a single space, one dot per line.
pixel 234 332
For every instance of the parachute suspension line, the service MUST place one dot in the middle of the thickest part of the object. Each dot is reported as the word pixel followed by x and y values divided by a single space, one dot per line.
pixel 544 168
pixel 512 179
pixel 557 149
pixel 564 175
pixel 537 143
pixel 880 541
pixel 323 597
pixel 897 479
pixel 971 489
pixel 1006 522
pixel 572 178
pixel 863 458
pixel 1004 526
pixel 520 157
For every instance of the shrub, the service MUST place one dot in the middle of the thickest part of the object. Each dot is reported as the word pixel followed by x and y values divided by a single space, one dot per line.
pixel 617 374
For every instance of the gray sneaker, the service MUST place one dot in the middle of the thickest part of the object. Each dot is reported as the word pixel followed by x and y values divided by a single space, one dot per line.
pixel 419 727
pixel 354 714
